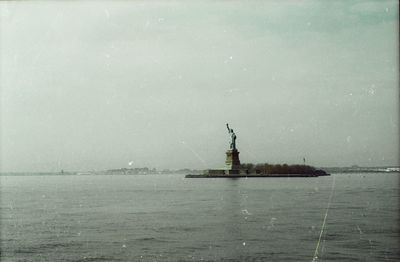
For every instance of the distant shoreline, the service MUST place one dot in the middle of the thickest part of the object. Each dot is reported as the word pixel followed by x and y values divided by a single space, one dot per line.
pixel 102 173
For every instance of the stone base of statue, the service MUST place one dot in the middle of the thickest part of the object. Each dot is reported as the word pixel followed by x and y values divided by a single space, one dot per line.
pixel 232 162
pixel 232 166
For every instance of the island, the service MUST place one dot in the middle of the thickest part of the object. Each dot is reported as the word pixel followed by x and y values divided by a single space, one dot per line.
pixel 234 169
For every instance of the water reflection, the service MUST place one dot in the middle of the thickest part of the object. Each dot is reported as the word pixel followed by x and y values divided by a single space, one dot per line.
pixel 233 217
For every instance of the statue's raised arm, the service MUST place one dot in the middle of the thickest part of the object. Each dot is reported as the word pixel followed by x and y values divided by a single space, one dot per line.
pixel 227 126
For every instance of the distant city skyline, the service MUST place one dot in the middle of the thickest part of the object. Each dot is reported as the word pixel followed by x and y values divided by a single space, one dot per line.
pixel 102 85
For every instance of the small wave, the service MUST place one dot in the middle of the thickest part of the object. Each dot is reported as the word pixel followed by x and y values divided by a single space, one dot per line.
pixel 193 248
pixel 25 251
pixel 39 248
pixel 175 229
pixel 339 256
pixel 152 239
pixel 95 258
pixel 335 237
pixel 361 244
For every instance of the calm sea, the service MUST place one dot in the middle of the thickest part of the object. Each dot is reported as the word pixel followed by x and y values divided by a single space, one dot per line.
pixel 170 218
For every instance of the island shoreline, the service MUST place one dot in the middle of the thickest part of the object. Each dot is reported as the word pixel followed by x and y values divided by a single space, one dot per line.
pixel 252 175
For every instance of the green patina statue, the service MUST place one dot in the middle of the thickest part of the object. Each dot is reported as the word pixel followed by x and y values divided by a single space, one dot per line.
pixel 233 138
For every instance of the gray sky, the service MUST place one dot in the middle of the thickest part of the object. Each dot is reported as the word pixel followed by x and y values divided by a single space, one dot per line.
pixel 91 85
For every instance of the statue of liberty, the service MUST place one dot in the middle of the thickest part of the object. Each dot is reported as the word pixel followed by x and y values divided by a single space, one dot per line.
pixel 233 138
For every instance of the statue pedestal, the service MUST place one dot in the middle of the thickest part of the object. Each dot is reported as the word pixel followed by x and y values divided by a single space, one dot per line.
pixel 231 169
pixel 232 162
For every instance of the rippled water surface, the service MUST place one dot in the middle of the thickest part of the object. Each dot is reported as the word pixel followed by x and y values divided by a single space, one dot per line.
pixel 170 218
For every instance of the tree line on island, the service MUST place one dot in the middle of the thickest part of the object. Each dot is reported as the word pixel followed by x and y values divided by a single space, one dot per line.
pixel 266 168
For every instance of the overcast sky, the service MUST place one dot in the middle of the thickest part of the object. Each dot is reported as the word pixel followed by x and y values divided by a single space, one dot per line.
pixel 92 85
